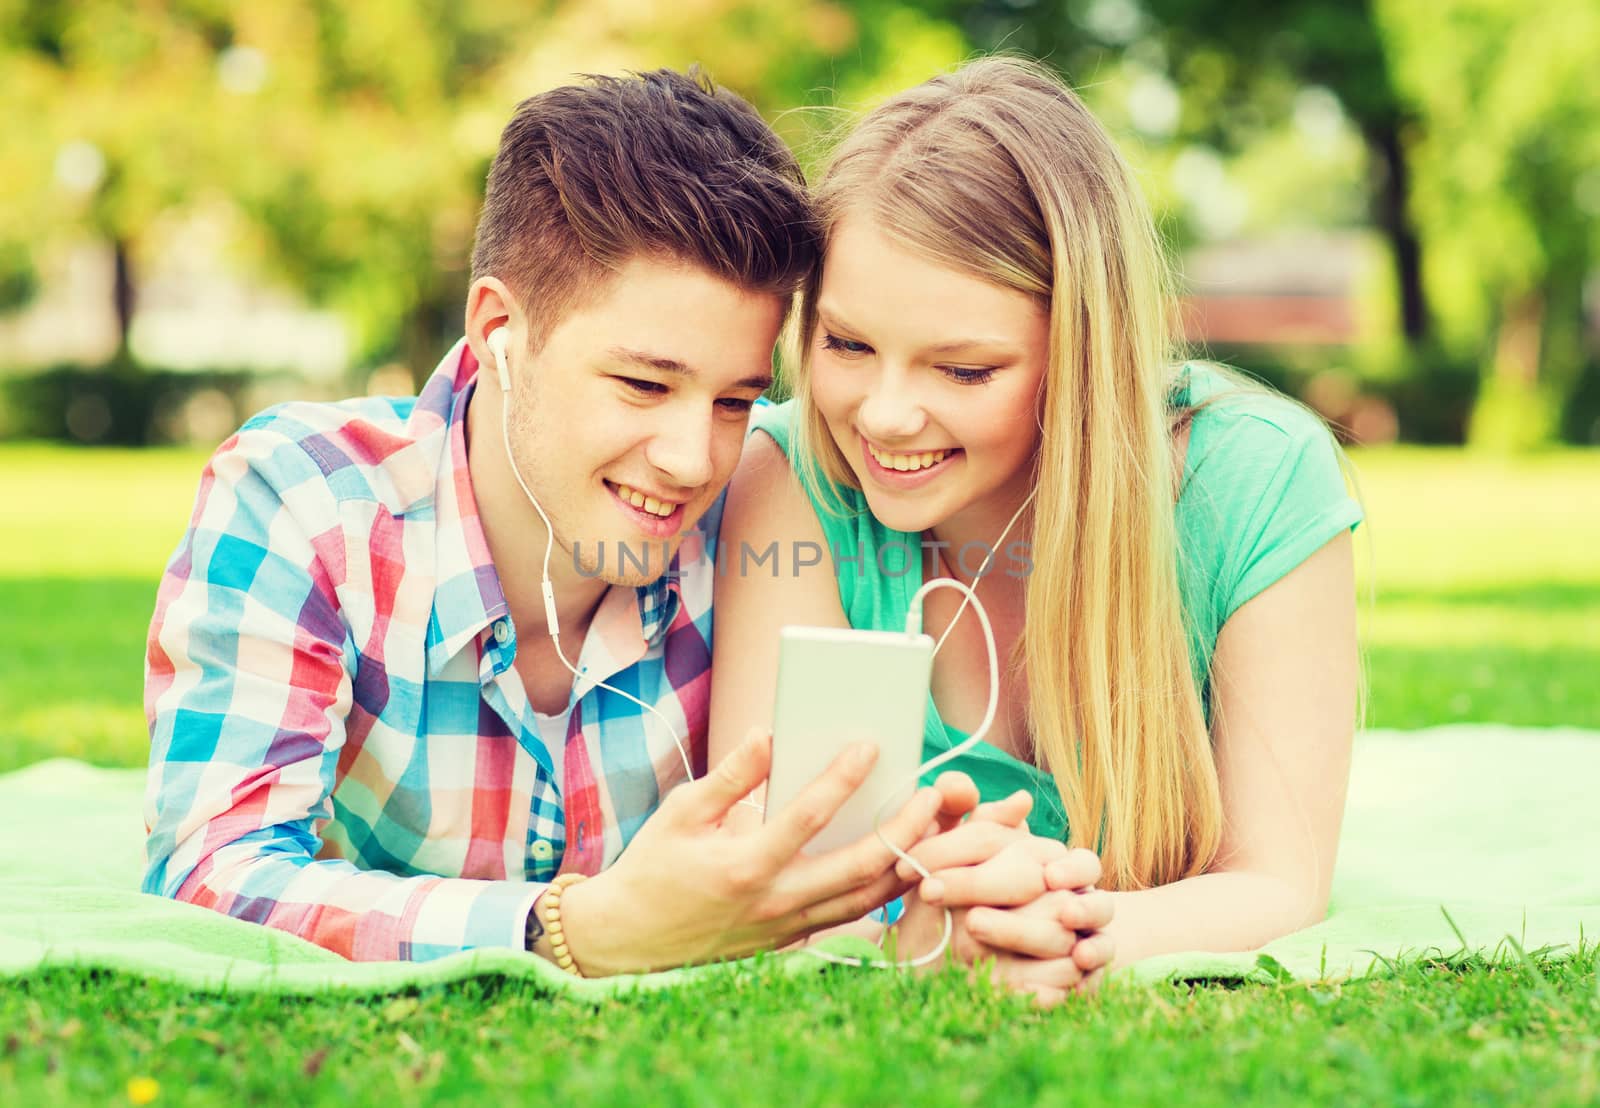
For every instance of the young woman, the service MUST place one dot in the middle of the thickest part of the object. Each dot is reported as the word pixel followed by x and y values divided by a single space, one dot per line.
pixel 990 342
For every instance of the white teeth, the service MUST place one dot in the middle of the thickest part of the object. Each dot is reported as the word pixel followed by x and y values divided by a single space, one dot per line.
pixel 648 503
pixel 908 462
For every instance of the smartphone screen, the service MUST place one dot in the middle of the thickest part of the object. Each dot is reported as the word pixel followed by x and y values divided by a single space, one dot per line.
pixel 837 687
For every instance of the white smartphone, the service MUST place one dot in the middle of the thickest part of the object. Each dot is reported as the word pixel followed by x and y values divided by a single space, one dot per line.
pixel 836 687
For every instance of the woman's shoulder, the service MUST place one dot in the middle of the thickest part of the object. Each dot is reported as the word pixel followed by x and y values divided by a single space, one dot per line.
pixel 1226 408
pixel 776 421
pixel 1263 482
pixel 1245 439
pixel 776 495
pixel 780 423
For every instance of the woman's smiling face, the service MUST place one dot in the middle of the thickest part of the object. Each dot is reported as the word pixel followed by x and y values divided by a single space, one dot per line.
pixel 929 379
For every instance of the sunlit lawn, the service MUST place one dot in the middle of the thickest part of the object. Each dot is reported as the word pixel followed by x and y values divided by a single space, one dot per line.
pixel 1487 608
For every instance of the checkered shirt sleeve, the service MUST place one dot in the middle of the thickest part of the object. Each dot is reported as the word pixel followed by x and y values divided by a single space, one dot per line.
pixel 249 673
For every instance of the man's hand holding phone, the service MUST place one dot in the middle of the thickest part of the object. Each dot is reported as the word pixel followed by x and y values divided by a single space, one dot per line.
pixel 690 888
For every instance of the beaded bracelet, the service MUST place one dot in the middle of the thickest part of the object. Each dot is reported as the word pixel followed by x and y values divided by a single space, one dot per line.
pixel 550 908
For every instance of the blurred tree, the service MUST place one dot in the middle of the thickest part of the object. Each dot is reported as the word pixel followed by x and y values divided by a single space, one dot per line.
pixel 19 280
pixel 795 61
pixel 351 165
pixel 348 140
pixel 325 126
pixel 1508 190
pixel 110 90
pixel 1237 66
pixel 1481 123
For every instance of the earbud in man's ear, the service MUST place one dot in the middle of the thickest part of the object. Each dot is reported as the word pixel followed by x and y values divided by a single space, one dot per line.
pixel 497 346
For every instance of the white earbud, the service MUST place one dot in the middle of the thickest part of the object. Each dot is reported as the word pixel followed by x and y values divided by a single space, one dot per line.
pixel 497 346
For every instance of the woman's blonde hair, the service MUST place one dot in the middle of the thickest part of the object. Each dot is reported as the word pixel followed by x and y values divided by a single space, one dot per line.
pixel 1000 171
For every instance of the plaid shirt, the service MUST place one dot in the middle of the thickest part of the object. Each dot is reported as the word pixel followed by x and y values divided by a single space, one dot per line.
pixel 339 745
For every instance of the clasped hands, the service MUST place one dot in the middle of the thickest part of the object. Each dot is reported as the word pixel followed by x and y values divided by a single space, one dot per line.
pixel 1024 907
pixel 702 881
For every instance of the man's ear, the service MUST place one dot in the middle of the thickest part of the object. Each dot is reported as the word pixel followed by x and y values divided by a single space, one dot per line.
pixel 490 307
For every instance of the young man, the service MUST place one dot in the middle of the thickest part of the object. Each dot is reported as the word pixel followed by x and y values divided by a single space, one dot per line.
pixel 363 728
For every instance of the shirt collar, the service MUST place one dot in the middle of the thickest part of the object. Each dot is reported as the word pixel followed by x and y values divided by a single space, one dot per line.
pixel 658 605
pixel 467 596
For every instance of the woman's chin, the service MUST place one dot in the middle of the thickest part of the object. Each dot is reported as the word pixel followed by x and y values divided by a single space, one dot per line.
pixel 896 514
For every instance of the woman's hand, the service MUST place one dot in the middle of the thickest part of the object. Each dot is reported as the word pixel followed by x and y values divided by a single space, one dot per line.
pixel 1024 904
pixel 692 888
pixel 1065 925
pixel 993 828
pixel 1090 915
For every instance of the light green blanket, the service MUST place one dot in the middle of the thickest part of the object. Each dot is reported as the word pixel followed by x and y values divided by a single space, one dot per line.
pixel 1497 825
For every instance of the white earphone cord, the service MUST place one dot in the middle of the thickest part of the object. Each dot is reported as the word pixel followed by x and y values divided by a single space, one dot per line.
pixel 988 559
pixel 913 627
pixel 552 623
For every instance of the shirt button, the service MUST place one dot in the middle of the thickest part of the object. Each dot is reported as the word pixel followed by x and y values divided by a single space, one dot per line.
pixel 502 631
pixel 542 851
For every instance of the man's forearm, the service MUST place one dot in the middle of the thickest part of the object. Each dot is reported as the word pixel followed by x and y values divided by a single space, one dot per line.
pixel 362 915
pixel 1217 912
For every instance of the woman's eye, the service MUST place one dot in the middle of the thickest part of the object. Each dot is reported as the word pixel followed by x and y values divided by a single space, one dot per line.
pixel 644 388
pixel 848 347
pixel 966 375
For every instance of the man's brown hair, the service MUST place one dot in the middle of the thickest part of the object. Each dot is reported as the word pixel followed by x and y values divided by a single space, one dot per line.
pixel 661 164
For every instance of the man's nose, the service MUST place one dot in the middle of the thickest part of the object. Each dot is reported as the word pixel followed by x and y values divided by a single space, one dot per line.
pixel 681 449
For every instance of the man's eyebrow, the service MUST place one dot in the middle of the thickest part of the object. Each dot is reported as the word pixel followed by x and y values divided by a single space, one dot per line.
pixel 758 381
pixel 650 361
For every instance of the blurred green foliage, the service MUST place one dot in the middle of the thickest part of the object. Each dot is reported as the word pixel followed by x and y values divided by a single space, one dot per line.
pixel 344 145
pixel 1507 161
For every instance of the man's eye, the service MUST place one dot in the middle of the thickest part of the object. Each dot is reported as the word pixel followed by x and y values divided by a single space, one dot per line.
pixel 848 347
pixel 644 388
pixel 735 405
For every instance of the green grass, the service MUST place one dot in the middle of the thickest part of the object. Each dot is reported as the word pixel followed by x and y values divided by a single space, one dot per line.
pixel 1487 575
pixel 1431 1034
pixel 87 534
pixel 1487 607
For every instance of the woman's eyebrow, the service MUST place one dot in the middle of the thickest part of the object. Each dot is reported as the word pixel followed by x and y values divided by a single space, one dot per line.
pixel 956 346
pixel 995 345
pixel 832 318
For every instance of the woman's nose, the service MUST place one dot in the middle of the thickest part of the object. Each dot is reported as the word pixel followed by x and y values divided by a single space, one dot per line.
pixel 891 412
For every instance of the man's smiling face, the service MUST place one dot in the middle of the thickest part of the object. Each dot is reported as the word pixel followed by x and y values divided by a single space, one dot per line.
pixel 629 420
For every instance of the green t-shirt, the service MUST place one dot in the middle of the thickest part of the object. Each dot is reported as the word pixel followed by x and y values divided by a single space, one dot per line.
pixel 1261 491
